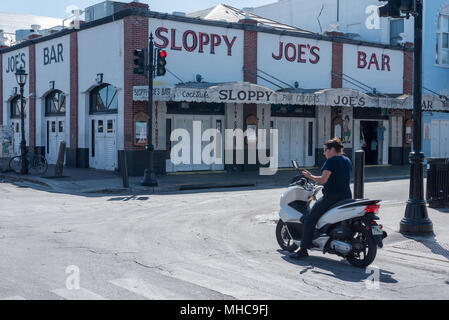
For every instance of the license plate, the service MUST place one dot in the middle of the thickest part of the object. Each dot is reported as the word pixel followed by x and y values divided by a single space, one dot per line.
pixel 377 230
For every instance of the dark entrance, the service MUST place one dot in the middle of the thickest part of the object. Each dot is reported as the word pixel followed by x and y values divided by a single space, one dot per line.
pixel 369 142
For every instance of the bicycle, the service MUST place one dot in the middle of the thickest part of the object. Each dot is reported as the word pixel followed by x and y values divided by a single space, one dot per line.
pixel 35 163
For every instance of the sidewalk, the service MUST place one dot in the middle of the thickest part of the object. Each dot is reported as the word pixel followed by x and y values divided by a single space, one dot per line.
pixel 97 181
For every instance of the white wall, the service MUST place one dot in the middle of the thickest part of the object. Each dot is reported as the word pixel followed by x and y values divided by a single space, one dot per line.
pixel 309 75
pixel 52 67
pixel 11 62
pixel 352 17
pixel 100 50
pixel 217 67
pixel 383 80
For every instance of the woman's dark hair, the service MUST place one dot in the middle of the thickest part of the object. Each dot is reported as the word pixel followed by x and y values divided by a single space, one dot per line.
pixel 336 144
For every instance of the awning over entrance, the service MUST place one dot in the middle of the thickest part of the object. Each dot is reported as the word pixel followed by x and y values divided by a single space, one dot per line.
pixel 244 92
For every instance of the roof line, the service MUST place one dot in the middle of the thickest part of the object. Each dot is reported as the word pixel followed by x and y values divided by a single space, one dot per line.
pixel 230 25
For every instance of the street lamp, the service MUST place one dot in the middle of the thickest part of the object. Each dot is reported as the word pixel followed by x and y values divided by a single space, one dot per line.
pixel 416 220
pixel 21 78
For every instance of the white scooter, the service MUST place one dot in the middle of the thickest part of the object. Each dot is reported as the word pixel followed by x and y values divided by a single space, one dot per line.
pixel 348 229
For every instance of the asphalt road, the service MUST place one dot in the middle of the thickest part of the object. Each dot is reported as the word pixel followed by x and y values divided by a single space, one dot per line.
pixel 193 245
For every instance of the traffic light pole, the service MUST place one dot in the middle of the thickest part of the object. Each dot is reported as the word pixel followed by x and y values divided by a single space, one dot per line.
pixel 416 220
pixel 149 178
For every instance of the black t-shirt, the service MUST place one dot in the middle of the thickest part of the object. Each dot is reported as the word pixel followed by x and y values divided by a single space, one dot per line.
pixel 338 183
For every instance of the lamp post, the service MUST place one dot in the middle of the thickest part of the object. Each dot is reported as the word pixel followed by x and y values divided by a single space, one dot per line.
pixel 416 220
pixel 21 78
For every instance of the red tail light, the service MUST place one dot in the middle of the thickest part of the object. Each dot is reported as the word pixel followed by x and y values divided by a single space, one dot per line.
pixel 373 208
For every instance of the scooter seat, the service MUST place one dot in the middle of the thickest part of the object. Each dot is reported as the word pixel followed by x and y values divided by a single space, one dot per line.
pixel 340 203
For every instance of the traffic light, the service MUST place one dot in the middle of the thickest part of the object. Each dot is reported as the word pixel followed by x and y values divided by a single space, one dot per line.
pixel 394 8
pixel 161 63
pixel 407 6
pixel 141 61
pixel 391 9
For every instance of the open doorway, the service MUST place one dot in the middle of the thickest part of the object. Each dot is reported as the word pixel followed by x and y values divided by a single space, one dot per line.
pixel 369 141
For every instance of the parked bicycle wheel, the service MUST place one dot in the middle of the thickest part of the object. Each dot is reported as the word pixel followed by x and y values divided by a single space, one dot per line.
pixel 39 165
pixel 15 164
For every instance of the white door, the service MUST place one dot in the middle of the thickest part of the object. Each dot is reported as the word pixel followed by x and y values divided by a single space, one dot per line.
pixel 296 141
pixel 284 133
pixel 309 142
pixel 206 123
pixel 435 139
pixel 55 135
pixel 444 143
pixel 218 122
pixel 17 136
pixel 184 122
pixel 195 159
pixel 297 147
pixel 103 151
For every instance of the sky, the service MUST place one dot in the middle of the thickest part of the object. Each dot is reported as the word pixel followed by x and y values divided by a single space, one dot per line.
pixel 57 8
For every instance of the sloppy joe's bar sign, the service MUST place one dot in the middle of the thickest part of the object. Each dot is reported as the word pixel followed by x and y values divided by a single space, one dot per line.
pixel 297 52
pixel 193 41
pixel 251 93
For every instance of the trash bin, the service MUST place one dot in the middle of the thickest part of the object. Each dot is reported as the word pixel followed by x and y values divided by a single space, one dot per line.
pixel 438 182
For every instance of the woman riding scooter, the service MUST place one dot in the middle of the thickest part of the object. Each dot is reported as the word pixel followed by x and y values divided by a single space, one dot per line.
pixel 336 175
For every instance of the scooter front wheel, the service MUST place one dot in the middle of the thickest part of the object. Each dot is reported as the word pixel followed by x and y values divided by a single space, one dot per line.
pixel 283 237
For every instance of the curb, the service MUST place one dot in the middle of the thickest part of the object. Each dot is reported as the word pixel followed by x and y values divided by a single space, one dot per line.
pixel 24 179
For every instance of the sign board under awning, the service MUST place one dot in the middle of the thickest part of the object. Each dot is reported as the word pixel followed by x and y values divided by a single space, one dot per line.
pixel 6 141
pixel 251 93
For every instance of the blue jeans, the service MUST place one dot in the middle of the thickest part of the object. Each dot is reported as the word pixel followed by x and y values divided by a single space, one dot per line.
pixel 311 219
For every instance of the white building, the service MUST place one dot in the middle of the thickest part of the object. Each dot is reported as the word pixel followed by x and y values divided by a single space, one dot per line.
pixel 356 18
pixel 250 74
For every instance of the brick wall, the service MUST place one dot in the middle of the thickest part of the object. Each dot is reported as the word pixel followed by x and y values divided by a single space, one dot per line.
pixel 32 96
pixel 337 65
pixel 74 90
pixel 136 37
pixel 250 52
pixel 408 70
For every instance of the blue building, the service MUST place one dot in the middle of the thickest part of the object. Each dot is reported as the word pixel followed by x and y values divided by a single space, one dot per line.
pixel 436 76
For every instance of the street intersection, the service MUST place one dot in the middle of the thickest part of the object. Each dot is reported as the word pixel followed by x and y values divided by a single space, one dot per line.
pixel 198 245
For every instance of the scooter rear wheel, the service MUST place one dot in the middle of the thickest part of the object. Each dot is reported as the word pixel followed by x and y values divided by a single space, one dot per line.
pixel 362 258
pixel 284 239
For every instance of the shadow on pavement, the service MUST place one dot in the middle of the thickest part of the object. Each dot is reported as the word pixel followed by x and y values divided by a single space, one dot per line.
pixel 339 269
pixel 432 245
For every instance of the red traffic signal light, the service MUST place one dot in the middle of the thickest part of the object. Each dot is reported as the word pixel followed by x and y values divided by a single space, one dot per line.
pixel 161 63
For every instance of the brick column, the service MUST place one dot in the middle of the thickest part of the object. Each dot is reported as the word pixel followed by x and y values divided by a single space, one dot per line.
pixel 32 96
pixel 250 52
pixel 337 60
pixel 408 69
pixel 136 33
pixel 74 157
pixel 249 75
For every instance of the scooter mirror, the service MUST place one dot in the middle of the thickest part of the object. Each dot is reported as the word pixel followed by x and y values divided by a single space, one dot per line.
pixel 295 164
